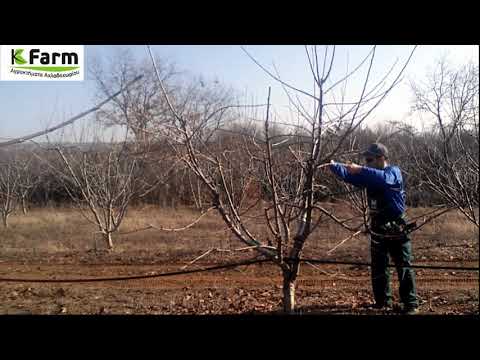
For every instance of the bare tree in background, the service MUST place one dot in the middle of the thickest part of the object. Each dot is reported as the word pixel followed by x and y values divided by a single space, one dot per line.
pixel 288 165
pixel 141 106
pixel 10 180
pixel 446 154
pixel 102 179
pixel 17 181
pixel 29 179
pixel 142 110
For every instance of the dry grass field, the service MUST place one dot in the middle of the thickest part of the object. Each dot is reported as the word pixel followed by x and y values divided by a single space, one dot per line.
pixel 60 242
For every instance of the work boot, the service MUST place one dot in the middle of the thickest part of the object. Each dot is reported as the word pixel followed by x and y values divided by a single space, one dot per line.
pixel 383 306
pixel 408 309
pixel 411 310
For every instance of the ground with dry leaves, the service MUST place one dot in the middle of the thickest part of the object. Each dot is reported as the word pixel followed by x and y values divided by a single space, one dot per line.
pixel 65 250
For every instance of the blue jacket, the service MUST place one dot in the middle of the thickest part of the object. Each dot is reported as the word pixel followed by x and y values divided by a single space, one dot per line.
pixel 385 190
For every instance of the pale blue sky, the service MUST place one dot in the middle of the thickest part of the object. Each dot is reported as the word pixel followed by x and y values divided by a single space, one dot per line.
pixel 26 107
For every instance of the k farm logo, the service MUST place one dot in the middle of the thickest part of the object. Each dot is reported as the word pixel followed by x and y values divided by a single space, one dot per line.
pixel 34 63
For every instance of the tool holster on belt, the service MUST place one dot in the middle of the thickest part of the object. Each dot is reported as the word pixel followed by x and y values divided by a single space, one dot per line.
pixel 398 227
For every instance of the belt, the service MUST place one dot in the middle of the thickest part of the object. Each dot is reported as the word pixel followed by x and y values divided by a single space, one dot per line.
pixel 395 226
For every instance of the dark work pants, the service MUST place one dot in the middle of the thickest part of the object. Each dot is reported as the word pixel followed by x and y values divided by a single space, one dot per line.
pixel 400 251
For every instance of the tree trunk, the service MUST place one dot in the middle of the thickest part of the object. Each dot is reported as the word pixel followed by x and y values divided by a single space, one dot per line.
pixel 5 219
pixel 288 292
pixel 108 239
pixel 199 193
pixel 24 206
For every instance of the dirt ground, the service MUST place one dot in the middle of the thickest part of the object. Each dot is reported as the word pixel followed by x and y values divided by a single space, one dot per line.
pixel 252 289
pixel 31 248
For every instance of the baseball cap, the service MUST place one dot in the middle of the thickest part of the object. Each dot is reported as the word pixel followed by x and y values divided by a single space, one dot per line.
pixel 376 149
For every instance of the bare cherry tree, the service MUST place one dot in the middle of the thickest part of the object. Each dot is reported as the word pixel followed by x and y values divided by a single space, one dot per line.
pixel 141 106
pixel 287 163
pixel 446 153
pixel 30 176
pixel 10 179
pixel 102 178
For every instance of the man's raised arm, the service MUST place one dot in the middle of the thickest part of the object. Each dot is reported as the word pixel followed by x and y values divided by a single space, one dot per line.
pixel 362 176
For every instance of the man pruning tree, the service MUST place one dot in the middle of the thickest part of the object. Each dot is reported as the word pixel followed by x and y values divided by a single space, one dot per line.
pixel 386 202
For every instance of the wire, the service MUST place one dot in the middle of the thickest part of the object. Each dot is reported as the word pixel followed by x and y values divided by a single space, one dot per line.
pixel 228 266
pixel 357 263
pixel 135 277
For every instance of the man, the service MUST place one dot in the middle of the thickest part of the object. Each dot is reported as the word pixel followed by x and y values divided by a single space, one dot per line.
pixel 386 201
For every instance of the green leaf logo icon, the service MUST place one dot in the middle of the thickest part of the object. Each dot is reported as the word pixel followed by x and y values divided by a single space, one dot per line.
pixel 17 57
